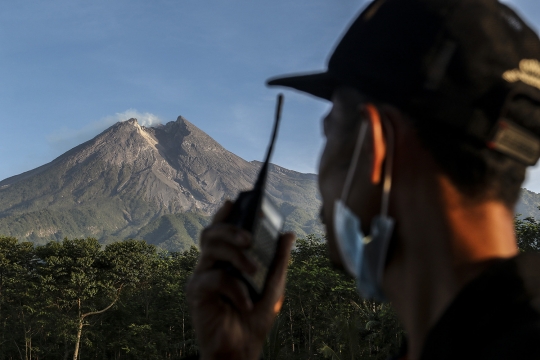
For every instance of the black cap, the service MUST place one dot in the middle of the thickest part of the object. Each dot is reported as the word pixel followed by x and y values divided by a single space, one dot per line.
pixel 473 65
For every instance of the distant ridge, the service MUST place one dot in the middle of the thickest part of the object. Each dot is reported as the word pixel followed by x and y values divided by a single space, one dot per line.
pixel 528 204
pixel 161 183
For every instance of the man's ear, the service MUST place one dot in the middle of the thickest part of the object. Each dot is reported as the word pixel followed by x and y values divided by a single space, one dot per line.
pixel 371 113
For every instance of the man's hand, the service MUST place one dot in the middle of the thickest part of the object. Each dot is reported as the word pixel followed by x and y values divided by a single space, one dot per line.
pixel 228 324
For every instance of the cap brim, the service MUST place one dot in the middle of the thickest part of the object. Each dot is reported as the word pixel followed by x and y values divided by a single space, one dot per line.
pixel 318 84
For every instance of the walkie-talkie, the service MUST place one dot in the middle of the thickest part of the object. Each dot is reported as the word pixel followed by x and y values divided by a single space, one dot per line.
pixel 256 213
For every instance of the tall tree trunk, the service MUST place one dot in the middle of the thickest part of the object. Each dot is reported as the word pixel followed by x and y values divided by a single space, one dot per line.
pixel 18 349
pixel 79 332
pixel 183 334
pixel 81 323
pixel 309 338
pixel 78 341
pixel 25 333
pixel 291 322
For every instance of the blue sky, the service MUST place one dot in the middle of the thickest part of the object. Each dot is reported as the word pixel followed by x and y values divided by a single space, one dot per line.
pixel 71 68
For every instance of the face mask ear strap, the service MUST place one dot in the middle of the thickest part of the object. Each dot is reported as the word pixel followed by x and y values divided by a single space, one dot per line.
pixel 354 161
pixel 387 186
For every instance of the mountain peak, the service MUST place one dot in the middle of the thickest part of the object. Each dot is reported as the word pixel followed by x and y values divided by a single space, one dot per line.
pixel 127 124
pixel 113 185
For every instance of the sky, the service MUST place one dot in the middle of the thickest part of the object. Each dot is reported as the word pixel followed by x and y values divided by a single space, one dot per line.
pixel 69 69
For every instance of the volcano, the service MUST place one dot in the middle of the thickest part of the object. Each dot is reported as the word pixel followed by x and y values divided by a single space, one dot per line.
pixel 160 184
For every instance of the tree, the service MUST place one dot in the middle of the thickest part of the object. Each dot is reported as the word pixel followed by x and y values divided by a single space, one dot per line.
pixel 135 267
pixel 73 274
pixel 324 315
pixel 151 320
pixel 21 306
pixel 527 233
pixel 78 299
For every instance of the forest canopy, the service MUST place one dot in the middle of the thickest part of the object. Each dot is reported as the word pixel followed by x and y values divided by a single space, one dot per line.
pixel 76 299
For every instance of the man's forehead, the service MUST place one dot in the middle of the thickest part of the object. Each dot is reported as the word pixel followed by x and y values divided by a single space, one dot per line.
pixel 346 102
pixel 345 111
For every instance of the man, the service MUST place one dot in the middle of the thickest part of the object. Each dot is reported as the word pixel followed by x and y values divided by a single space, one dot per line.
pixel 435 117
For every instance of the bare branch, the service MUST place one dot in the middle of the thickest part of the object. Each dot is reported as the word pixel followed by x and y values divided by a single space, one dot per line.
pixel 107 308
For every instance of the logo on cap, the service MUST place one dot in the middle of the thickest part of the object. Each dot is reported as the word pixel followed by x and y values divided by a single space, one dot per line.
pixel 528 72
pixel 514 141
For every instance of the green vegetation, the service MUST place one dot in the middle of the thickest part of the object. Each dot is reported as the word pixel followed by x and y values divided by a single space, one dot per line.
pixel 76 299
pixel 527 233
pixel 174 231
pixel 324 316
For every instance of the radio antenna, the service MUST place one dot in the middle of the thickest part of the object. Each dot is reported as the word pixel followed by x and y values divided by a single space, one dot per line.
pixel 261 179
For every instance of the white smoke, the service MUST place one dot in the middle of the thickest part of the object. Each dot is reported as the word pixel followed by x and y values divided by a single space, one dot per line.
pixel 66 138
pixel 144 119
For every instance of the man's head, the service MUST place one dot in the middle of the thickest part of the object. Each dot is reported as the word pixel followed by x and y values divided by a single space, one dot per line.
pixel 464 73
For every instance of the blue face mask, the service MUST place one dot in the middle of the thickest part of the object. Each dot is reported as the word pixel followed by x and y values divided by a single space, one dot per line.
pixel 364 257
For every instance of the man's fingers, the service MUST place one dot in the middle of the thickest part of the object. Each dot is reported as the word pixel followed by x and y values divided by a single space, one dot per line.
pixel 223 212
pixel 225 243
pixel 275 282
pixel 224 252
pixel 209 286
pixel 219 233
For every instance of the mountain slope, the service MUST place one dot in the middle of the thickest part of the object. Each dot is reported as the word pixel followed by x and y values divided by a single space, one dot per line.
pixel 129 179
pixel 528 204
